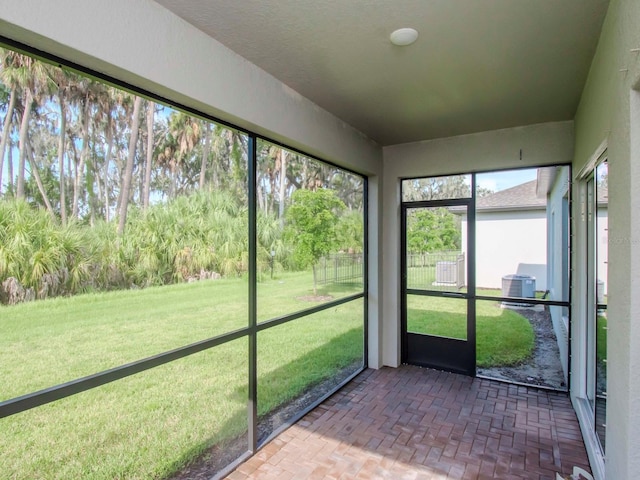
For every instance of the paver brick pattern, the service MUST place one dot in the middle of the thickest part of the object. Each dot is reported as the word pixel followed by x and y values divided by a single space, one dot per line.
pixel 416 423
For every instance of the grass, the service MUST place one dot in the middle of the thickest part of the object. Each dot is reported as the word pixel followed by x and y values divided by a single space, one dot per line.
pixel 150 424
pixel 425 277
pixel 601 337
pixel 503 337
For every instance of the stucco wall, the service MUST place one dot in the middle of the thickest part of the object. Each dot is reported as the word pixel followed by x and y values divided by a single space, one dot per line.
pixel 606 110
pixel 543 144
pixel 508 243
pixel 558 262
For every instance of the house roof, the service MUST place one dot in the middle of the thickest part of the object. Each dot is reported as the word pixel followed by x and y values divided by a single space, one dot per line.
pixel 525 197
pixel 520 197
pixel 476 66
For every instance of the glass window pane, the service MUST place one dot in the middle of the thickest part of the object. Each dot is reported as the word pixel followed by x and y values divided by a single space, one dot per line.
pixel 302 360
pixel 602 231
pixel 602 202
pixel 436 248
pixel 436 188
pixel 520 344
pixel 522 231
pixel 310 232
pixel 145 426
pixel 137 244
pixel 439 316
pixel 48 342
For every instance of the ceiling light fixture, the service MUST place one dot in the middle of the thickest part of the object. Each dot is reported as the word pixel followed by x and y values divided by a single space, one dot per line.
pixel 404 36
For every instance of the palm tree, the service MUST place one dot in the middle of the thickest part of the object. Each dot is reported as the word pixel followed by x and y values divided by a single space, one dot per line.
pixel 151 107
pixel 205 154
pixel 128 171
pixel 185 129
pixel 83 99
pixel 108 113
pixel 30 76
pixel 182 135
pixel 6 129
pixel 65 81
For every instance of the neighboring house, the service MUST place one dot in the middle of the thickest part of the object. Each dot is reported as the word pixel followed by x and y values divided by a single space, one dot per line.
pixel 520 231
pixel 511 236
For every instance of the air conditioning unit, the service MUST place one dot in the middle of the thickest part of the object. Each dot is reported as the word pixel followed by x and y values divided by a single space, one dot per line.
pixel 446 273
pixel 519 286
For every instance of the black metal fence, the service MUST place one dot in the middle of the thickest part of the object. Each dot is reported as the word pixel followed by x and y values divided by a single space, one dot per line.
pixel 340 268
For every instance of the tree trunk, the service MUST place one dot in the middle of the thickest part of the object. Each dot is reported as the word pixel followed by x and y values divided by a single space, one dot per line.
pixel 260 196
pixel 6 132
pixel 128 171
pixel 283 177
pixel 173 189
pixel 10 167
pixel 36 176
pixel 90 183
pixel 61 152
pixel 107 163
pixel 22 147
pixel 83 158
pixel 151 107
pixel 205 154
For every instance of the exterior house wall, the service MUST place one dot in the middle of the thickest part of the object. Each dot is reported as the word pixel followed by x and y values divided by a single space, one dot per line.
pixel 510 242
pixel 609 112
pixel 543 144
pixel 557 262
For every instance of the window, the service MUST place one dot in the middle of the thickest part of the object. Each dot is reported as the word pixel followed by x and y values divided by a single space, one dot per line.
pixel 486 264
pixel 164 290
pixel 597 289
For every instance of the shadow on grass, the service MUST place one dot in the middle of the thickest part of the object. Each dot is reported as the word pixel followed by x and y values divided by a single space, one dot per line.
pixel 503 337
pixel 283 393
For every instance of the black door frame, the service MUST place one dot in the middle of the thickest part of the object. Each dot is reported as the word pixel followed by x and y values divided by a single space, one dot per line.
pixel 449 354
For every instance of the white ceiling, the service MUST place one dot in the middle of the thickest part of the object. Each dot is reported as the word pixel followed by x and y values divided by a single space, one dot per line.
pixel 477 65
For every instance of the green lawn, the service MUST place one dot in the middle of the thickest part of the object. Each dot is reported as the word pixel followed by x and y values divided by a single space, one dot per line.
pixel 601 337
pixel 503 337
pixel 148 425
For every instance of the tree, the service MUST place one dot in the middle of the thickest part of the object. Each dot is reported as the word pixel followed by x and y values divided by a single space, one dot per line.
pixel 151 108
pixel 31 78
pixel 128 171
pixel 205 154
pixel 436 188
pixel 311 227
pixel 433 230
pixel 6 130
pixel 64 81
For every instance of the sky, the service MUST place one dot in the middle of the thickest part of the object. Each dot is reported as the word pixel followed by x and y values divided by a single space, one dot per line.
pixel 496 181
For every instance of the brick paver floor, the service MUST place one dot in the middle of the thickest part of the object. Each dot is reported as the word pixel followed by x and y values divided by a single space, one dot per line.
pixel 415 423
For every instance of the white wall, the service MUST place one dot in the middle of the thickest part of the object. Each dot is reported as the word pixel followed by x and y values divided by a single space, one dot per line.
pixel 609 111
pixel 543 144
pixel 557 262
pixel 510 242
